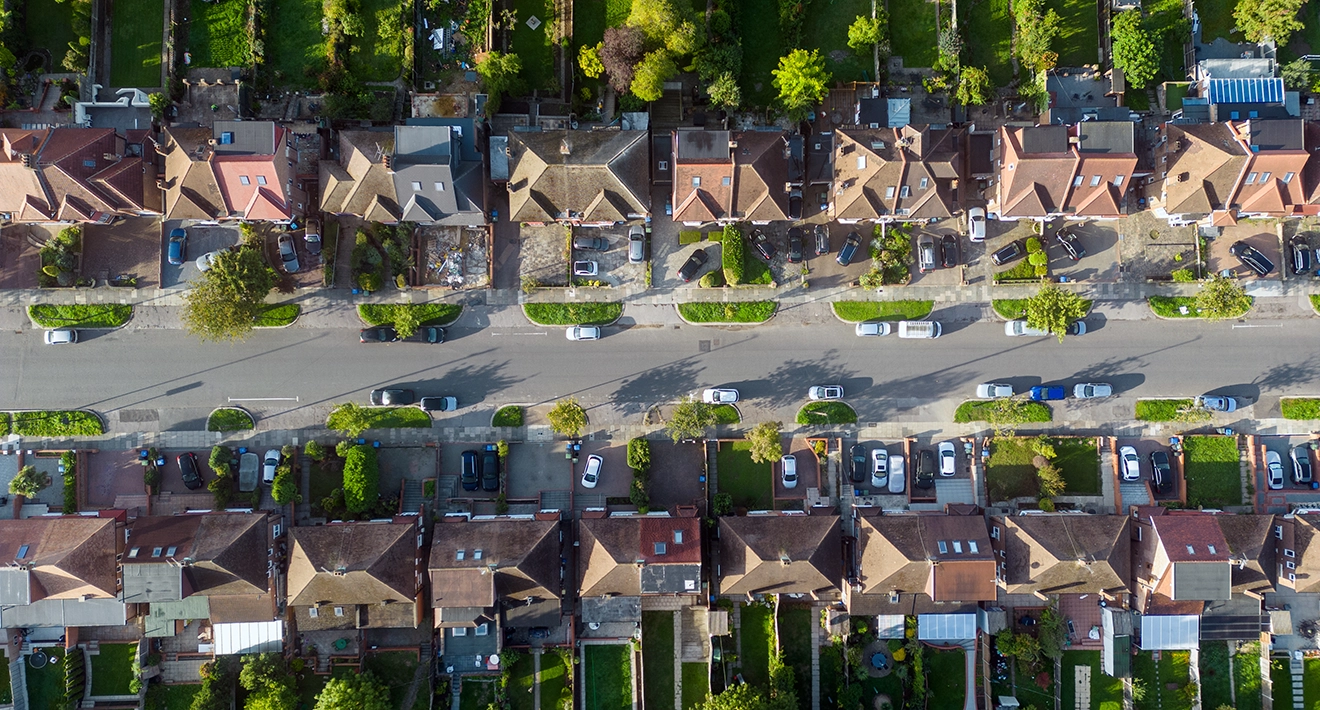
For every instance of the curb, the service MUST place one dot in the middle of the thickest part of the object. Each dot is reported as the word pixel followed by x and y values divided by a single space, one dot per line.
pixel 286 325
pixel 726 324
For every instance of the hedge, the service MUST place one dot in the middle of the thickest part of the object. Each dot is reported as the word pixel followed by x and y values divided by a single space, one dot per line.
pixel 57 423
pixel 1161 410
pixel 732 312
pixel 731 254
pixel 361 478
pixel 1300 407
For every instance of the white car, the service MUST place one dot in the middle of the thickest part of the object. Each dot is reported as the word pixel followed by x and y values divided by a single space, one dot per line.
pixel 1093 390
pixel 788 471
pixel 61 336
pixel 1273 470
pixel 872 327
pixel 719 396
pixel 896 474
pixel 948 459
pixel 976 224
pixel 992 390
pixel 1131 463
pixel 583 332
pixel 1020 327
pixel 879 468
pixel 269 463
pixel 585 268
pixel 204 261
pixel 825 392
pixel 591 474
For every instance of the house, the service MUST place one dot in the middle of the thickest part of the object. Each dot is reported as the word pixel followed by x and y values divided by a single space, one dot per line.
pixel 1108 158
pixel 781 553
pixel 1251 545
pixel 1241 88
pixel 1050 555
pixel 62 572
pixel 639 556
pixel 1197 169
pixel 591 178
pixel 917 563
pixel 427 172
pixel 728 176
pixel 357 575
pixel 77 174
pixel 232 170
pixel 1036 166
pixel 1277 158
pixel 1180 562
pixel 909 173
pixel 1297 563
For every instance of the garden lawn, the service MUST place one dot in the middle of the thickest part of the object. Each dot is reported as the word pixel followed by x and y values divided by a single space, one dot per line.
pixel 49 315
pixel 1310 683
pixel 726 414
pixel 1216 683
pixel 277 315
pixel 1282 681
pixel 857 311
pixel 912 32
pixel 657 659
pixel 608 677
pixel 216 35
pixel 298 45
pixel 45 685
pixel 1300 407
pixel 591 17
pixel 50 26
pixel 573 313
pixel 749 483
pixel 1106 692
pixel 508 415
pixel 397 669
pixel 1246 677
pixel 731 312
pixel 1078 42
pixel 831 670
pixel 325 478
pixel 696 684
pixel 821 413
pixel 795 643
pixel 386 418
pixel 948 689
pixel 135 43
pixel 1217 20
pixel 1172 671
pixel 1213 471
pixel 522 676
pixel 1028 690
pixel 758 642
pixel 112 668
pixel 1009 473
pixel 178 696
pixel 759 21
pixel 1023 271
pixel 533 45
pixel 826 28
pixel 1079 462
pixel 229 419
pixel 6 690
pixel 1161 410
pixel 990 22
pixel 554 686
pixel 979 410
pixel 478 693
pixel 373 62
pixel 1010 308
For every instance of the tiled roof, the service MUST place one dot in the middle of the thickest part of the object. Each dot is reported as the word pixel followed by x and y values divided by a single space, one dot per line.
pixel 947 557
pixel 352 563
pixel 64 558
pixel 615 553
pixel 781 554
pixel 507 558
pixel 603 177
pixel 1204 163
pixel 1066 554
pixel 1036 170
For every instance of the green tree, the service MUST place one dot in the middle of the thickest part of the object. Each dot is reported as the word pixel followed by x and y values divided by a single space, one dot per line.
pixel 567 417
pixel 1272 19
pixel 1034 29
pixel 725 92
pixel 802 81
pixel 314 450
pixel 589 60
pixel 28 482
pixel 766 444
pixel 1221 298
pixel 1053 308
pixel 503 75
pixel 1051 481
pixel 270 684
pixel 738 697
pixel 974 87
pixel 652 72
pixel 866 32
pixel 1297 74
pixel 351 419
pixel 227 298
pixel 690 419
pixel 1135 50
pixel 354 692
pixel 686 39
pixel 219 461
pixel 406 321
pixel 159 102
pixel 657 19
pixel 1052 633
pixel 361 479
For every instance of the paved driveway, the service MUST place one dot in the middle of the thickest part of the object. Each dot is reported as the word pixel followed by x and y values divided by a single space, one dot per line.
pixel 202 239
pixel 1262 237
pixel 534 467
pixel 111 474
pixel 615 476
pixel 676 471
pixel 1099 239
pixel 130 247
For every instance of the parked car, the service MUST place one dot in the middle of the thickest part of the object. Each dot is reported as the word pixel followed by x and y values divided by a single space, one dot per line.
pixel 992 390
pixel 428 334
pixel 591 243
pixel 795 245
pixel 636 244
pixel 1077 327
pixel 820 392
pixel 192 476
pixel 897 474
pixel 1131 463
pixel 378 334
pixel 582 332
pixel 470 479
pixel 719 396
pixel 204 261
pixel 591 473
pixel 490 469
pixel 1071 246
pixel 879 467
pixel 1252 258
pixel 438 404
pixel 249 471
pixel 1161 470
pixel 1301 459
pixel 61 336
pixel 925 469
pixel 1015 328
pixel 872 328
pixel 1012 252
pixel 312 236
pixel 1046 394
pixel 288 254
pixel 694 263
pixel 1273 470
pixel 976 224
pixel 585 268
pixel 850 246
pixel 1093 390
pixel 788 471
pixel 1216 403
pixel 948 459
pixel 1301 255
pixel 858 456
pixel 822 239
pixel 269 463
pixel 919 329
pixel 392 397
pixel 762 245
pixel 925 253
pixel 177 252
pixel 949 251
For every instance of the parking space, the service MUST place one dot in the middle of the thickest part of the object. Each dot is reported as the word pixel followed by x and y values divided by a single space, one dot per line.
pixel 808 471
pixel 202 239
pixel 668 256
pixel 612 266
pixel 533 467
pixel 676 474
pixel 998 234
pixel 110 474
pixel 128 248
pixel 1304 449
pixel 1144 448
pixel 1259 236
pixel 397 464
pixel 861 481
pixel 939 275
pixel 172 477
pixel 825 269
pixel 1100 242
pixel 20 253
pixel 615 476
pixel 308 273
pixel 450 462
pixel 542 254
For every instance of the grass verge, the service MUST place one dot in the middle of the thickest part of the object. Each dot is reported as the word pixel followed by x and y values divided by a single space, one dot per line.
pixel 732 312
pixel 658 659
pixel 748 482
pixel 1023 271
pixel 510 415
pixel 826 413
pixel 1213 471
pixel 857 311
pixel 385 418
pixel 572 313
pixel 1300 407
pixel 726 414
pixel 112 668
pixel 57 423
pixel 1010 308
pixel 277 315
pixel 1161 410
pixel 135 45
pixel 1169 307
pixel 1315 303
pixel 983 411
pixel 607 673
pixel 230 419
pixel 426 313
pixel 49 315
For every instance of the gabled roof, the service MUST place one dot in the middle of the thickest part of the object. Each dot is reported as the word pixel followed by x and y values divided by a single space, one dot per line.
pixel 761 173
pixel 1066 554
pixel 781 554
pixel 61 558
pixel 431 178
pixel 1250 541
pixel 510 559
pixel 352 563
pixel 1278 157
pixel 947 557
pixel 1306 545
pixel 351 185
pixel 595 176
pixel 907 171
pixel 1205 162
pixel 1036 169
pixel 703 175
pixel 73 174
pixel 230 168
pixel 172 557
pixel 634 555
pixel 1198 557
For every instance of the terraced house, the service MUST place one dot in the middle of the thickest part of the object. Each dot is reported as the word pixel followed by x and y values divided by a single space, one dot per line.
pixel 77 174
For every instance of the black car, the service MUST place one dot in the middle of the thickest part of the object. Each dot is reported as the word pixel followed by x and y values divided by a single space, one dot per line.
pixel 795 245
pixel 1252 258
pixel 949 251
pixel 469 475
pixel 795 204
pixel 822 239
pixel 1070 244
pixel 428 334
pixel 925 469
pixel 1301 459
pixel 762 245
pixel 858 455
pixel 490 469
pixel 1301 255
pixel 379 334
pixel 392 397
pixel 192 478
pixel 591 244
pixel 1162 472
pixel 1012 252
pixel 693 264
pixel 849 250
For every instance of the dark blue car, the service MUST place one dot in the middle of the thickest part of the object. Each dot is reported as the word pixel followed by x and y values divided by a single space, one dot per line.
pixel 178 249
pixel 1045 394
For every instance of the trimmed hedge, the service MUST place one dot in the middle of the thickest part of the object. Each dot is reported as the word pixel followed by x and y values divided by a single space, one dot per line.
pixel 1300 407
pixel 361 478
pixel 1161 410
pixel 981 411
pixel 572 313
pixel 48 315
pixel 732 312
pixel 732 252
pixel 57 423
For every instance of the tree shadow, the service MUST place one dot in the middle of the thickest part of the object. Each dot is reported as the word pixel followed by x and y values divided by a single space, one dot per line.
pixel 637 393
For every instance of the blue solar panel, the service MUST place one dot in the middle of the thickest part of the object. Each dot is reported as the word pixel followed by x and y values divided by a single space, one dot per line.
pixel 1246 91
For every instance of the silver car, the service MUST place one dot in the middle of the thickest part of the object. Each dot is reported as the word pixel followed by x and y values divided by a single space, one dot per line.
pixel 636 244
pixel 994 390
pixel 61 336
pixel 976 224
pixel 872 328
pixel 1131 463
pixel 583 332
pixel 788 471
pixel 926 253
pixel 585 268
pixel 269 463
pixel 288 254
pixel 879 468
pixel 1016 328
pixel 1093 390
pixel 1274 470
pixel 1217 404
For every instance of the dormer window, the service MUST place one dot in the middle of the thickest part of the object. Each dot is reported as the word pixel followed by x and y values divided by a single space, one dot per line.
pixel 439 187
pixel 1118 181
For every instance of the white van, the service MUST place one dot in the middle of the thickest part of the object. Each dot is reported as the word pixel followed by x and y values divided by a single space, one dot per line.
pixel 918 329
pixel 896 474
pixel 1017 328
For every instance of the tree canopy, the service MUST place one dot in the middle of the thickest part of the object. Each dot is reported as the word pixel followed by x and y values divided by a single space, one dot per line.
pixel 589 60
pixel 28 482
pixel 689 420
pixel 227 298
pixel 502 74
pixel 1034 29
pixel 567 417
pixel 802 81
pixel 974 87
pixel 1221 298
pixel 1273 19
pixel 354 692
pixel 651 73
pixel 866 32
pixel 1135 50
pixel 765 441
pixel 620 51
pixel 1053 309
pixel 725 92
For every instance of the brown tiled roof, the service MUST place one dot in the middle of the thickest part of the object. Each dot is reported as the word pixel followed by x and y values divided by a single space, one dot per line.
pixel 903 553
pixel 1251 541
pixel 1270 163
pixel 1190 538
pixel 873 166
pixel 202 182
pixel 352 563
pixel 1035 171
pixel 73 174
pixel 704 156
pixel 760 174
pixel 1066 554
pixel 67 557
pixel 223 553
pixel 781 554
pixel 351 185
pixel 1205 163
pixel 505 558
pixel 613 550
pixel 602 178
pixel 1306 545
pixel 1104 198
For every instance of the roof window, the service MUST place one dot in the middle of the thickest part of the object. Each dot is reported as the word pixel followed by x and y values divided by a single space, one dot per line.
pixel 660 548
pixel 944 549
pixel 261 179
pixel 244 180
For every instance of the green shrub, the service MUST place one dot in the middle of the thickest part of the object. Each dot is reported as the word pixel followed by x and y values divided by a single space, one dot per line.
pixel 1183 276
pixel 639 454
pixel 229 419
pixel 732 312
pixel 361 478
pixel 5 425
pixel 48 315
pixel 1010 308
pixel 57 423
pixel 821 413
pixel 732 255
pixel 712 279
pixel 1022 271
pixel 1008 412
pixel 221 456
pixel 1167 306
pixel 1033 245
pixel 1300 407
pixel 1161 410
pixel 510 415
pixel 70 461
pixel 424 313
pixel 369 282
pixel 857 311
pixel 572 313
pixel 222 489
pixel 285 488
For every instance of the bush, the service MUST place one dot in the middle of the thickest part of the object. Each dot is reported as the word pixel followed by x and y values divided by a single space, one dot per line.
pixel 285 488
pixel 510 415
pixel 573 313
pixel 722 504
pixel 49 315
pixel 421 313
pixel 70 461
pixel 712 279
pixel 732 254
pixel 502 450
pixel 314 450
pixel 361 479
pixel 689 236
pixel 57 423
pixel 1002 411
pixel 221 456
pixel 229 419
pixel 222 488
pixel 1300 408
pixel 639 454
pixel 1183 276
pixel 1033 246
pixel 732 312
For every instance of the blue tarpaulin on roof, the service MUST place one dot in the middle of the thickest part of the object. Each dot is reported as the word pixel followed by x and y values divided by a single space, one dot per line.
pixel 1245 91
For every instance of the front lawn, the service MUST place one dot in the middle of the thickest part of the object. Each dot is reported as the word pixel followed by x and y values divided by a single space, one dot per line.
pixel 1246 676
pixel 912 32
pixel 979 410
pixel 1079 462
pixel 758 642
pixel 1213 471
pixel 822 413
pixel 1078 43
pixel 946 676
pixel 425 313
pixel 795 641
pixel 857 311
pixel 1106 692
pixel 749 483
pixel 112 668
pixel 45 685
pixel 397 669
pixel 135 44
pixel 383 418
pixel 57 423
pixel 229 419
pixel 607 672
pixel 48 315
pixel 826 27
pixel 1024 271
pixel 731 312
pixel 533 46
pixel 696 684
pixel 1009 473
pixel 277 315
pixel 509 415
pixel 1010 308
pixel 1162 410
pixel 990 22
pixel 573 313
pixel 726 414
pixel 658 659
pixel 297 46
pixel 216 36
pixel 1300 407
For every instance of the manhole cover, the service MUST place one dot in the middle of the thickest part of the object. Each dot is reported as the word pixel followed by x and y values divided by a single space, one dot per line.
pixel 703 346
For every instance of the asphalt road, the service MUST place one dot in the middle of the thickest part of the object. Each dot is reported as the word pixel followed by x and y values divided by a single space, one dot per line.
pixel 167 376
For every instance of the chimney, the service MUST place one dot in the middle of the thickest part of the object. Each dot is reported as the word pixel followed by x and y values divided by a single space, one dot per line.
pixel 388 160
pixel 110 157
pixel 563 147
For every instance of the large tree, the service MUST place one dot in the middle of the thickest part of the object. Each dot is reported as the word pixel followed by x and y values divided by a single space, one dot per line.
pixel 802 81
pixel 1135 50
pixel 1034 29
pixel 620 51
pixel 689 419
pixel 503 75
pixel 766 446
pixel 974 87
pixel 866 32
pixel 725 92
pixel 567 417
pixel 354 692
pixel 226 300
pixel 1272 19
pixel 1053 309
pixel 652 72
pixel 1221 298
